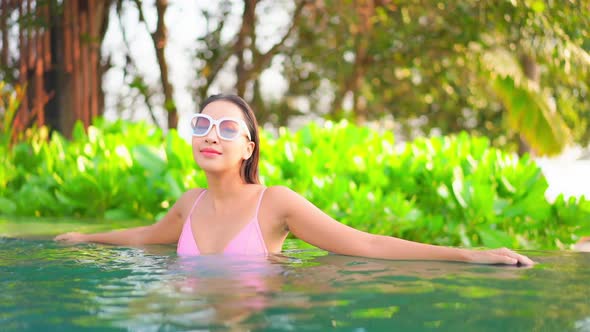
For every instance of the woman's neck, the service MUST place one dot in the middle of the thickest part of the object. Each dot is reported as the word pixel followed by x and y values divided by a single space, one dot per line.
pixel 222 187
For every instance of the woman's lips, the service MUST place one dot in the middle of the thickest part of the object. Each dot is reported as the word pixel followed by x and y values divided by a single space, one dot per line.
pixel 210 152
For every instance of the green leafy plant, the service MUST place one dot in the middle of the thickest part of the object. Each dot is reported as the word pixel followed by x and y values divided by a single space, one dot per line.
pixel 10 100
pixel 453 190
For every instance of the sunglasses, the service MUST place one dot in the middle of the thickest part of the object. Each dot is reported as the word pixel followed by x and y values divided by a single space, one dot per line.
pixel 227 128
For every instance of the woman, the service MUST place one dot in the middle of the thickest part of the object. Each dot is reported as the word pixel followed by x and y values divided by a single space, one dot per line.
pixel 238 215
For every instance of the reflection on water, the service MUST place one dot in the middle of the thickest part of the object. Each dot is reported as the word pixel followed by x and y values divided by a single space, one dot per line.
pixel 46 285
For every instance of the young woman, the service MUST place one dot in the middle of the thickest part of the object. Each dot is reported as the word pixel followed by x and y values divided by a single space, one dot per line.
pixel 235 214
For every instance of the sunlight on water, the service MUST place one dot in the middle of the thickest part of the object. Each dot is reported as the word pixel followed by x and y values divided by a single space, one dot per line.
pixel 47 286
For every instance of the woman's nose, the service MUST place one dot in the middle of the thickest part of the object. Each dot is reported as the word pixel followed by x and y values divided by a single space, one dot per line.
pixel 211 136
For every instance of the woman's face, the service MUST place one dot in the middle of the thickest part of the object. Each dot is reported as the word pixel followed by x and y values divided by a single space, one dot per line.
pixel 215 154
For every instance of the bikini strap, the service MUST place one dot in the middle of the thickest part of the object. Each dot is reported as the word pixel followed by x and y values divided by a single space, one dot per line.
pixel 259 202
pixel 197 201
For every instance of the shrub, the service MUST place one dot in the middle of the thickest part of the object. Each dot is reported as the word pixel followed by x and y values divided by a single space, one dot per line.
pixel 454 190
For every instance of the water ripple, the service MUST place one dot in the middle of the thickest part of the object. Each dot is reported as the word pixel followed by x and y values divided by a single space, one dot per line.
pixel 48 285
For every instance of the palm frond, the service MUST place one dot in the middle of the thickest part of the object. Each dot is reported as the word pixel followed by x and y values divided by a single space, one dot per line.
pixel 530 110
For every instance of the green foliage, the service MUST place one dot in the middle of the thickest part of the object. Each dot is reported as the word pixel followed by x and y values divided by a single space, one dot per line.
pixel 426 61
pixel 455 190
pixel 116 170
pixel 10 100
pixel 529 110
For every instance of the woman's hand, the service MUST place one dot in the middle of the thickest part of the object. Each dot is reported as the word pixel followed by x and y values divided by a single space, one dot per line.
pixel 72 237
pixel 498 256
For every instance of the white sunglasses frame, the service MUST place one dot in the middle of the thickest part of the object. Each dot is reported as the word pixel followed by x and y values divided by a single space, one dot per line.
pixel 214 122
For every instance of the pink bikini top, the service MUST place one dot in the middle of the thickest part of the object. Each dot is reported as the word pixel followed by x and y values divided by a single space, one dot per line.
pixel 249 240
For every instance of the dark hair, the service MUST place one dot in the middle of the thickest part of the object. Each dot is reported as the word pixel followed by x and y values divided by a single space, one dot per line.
pixel 249 168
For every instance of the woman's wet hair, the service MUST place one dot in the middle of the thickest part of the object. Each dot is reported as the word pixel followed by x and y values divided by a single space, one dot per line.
pixel 249 168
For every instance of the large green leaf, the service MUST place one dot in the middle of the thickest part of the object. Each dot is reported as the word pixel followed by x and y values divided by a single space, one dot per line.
pixel 529 110
pixel 7 207
pixel 495 238
pixel 530 114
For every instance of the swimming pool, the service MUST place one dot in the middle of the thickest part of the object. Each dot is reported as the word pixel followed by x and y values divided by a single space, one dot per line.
pixel 51 286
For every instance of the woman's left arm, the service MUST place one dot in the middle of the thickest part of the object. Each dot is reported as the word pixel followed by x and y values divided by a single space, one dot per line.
pixel 312 225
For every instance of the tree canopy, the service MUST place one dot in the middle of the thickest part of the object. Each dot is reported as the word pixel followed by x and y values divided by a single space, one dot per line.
pixel 513 70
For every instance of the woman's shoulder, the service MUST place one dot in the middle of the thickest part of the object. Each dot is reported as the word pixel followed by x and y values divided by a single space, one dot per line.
pixel 284 201
pixel 278 189
pixel 189 196
pixel 280 192
pixel 193 192
pixel 186 201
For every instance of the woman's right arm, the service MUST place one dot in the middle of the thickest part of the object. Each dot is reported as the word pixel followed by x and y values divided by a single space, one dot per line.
pixel 165 231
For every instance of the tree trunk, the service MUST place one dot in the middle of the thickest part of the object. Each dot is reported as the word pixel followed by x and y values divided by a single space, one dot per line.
pixel 243 44
pixel 365 10
pixel 4 12
pixel 60 62
pixel 160 40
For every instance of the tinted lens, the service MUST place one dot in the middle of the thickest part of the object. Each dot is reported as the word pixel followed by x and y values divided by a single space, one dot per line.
pixel 200 126
pixel 229 129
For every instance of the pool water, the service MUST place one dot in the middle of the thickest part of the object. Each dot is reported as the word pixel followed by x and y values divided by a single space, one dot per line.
pixel 46 285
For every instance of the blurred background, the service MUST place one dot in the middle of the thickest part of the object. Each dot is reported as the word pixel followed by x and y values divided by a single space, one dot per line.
pixel 515 71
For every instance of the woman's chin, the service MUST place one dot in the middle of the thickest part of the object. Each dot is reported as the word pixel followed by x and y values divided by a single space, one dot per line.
pixel 210 167
pixel 204 162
